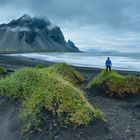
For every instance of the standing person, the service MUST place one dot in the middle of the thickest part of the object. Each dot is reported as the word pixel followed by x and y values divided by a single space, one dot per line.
pixel 108 64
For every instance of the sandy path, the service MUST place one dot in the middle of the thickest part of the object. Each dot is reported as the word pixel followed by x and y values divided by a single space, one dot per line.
pixel 9 123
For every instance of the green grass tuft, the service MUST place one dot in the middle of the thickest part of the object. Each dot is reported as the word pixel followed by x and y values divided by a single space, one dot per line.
pixel 67 72
pixel 40 66
pixel 116 84
pixel 42 88
pixel 2 70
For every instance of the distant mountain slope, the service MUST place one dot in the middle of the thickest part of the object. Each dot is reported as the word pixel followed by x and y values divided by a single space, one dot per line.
pixel 33 34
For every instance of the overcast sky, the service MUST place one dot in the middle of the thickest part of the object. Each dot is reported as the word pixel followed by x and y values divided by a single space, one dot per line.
pixel 91 24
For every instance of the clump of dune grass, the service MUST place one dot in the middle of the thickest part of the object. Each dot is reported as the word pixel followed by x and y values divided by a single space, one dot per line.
pixel 40 66
pixel 42 88
pixel 116 84
pixel 2 70
pixel 67 72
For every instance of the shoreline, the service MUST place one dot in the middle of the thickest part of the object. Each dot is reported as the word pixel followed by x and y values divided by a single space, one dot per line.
pixel 15 62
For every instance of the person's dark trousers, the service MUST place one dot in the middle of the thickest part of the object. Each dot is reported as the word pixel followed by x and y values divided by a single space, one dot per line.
pixel 108 68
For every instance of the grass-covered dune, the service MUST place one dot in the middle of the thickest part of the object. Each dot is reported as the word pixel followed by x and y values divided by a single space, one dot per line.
pixel 43 88
pixel 116 84
pixel 67 72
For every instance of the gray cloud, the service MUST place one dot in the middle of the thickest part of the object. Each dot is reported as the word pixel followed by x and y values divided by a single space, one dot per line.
pixel 113 13
pixel 84 12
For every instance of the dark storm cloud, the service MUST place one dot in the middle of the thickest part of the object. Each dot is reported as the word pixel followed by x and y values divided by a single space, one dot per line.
pixel 85 12
pixel 113 13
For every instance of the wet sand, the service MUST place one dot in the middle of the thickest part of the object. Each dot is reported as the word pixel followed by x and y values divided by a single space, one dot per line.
pixel 122 116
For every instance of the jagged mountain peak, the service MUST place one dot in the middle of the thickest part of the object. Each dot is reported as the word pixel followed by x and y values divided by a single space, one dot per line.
pixel 30 22
pixel 32 34
pixel 25 17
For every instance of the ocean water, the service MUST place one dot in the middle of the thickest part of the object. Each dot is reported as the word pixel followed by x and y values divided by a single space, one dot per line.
pixel 120 61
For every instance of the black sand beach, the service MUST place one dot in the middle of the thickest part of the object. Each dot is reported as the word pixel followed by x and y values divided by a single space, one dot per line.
pixel 122 115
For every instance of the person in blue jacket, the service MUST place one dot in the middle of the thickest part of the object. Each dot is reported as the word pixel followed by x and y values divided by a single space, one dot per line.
pixel 108 64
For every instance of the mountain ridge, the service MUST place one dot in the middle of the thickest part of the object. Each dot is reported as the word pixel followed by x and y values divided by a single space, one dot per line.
pixel 33 34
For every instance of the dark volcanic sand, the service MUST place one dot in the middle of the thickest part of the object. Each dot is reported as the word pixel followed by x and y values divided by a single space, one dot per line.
pixel 123 116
